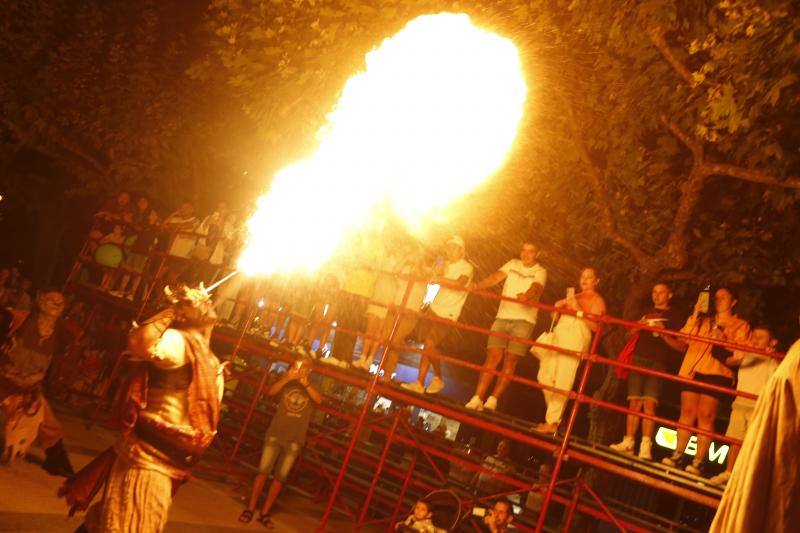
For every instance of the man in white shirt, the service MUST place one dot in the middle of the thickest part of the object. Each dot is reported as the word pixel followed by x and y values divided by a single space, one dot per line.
pixel 455 271
pixel 754 372
pixel 524 281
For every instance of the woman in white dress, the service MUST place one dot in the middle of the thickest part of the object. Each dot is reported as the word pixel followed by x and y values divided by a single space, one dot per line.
pixel 571 333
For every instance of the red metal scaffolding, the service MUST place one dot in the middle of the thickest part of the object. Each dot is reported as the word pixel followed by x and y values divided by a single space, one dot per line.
pixel 563 447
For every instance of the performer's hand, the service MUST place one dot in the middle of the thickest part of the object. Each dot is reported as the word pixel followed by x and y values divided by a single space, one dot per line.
pixel 304 381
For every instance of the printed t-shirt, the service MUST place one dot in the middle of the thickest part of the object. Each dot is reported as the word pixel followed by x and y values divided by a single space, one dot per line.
pixel 293 416
pixel 519 279
pixel 654 347
pixel 448 302
pixel 754 372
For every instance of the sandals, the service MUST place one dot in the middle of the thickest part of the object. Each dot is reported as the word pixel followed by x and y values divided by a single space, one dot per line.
pixel 246 516
pixel 265 521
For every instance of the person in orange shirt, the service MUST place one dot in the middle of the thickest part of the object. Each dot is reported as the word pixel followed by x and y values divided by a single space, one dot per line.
pixel 705 363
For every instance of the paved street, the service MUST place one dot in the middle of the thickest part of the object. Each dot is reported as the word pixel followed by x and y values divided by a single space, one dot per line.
pixel 28 502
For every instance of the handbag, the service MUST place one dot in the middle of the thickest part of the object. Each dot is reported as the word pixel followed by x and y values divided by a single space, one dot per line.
pixel 547 337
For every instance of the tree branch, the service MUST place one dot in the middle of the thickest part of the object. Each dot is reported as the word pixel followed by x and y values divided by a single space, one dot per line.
pixel 63 148
pixel 747 174
pixel 656 36
pixel 694 145
pixel 595 175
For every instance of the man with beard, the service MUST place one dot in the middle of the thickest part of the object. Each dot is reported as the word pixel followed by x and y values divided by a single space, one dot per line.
pixel 171 418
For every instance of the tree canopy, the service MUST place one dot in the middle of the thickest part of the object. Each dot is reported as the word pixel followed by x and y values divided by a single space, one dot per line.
pixel 659 140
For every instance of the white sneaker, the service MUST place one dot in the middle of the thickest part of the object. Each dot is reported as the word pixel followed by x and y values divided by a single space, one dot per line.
pixel 475 404
pixel 490 404
pixel 646 449
pixel 436 385
pixel 300 349
pixel 721 479
pixel 625 446
pixel 695 468
pixel 274 342
pixel 672 460
pixel 313 354
pixel 414 386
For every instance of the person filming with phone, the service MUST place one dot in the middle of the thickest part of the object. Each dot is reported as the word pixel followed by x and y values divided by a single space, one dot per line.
pixel 285 437
pixel 705 363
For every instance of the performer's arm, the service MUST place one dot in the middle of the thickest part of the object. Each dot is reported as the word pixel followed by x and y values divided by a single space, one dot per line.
pixel 154 341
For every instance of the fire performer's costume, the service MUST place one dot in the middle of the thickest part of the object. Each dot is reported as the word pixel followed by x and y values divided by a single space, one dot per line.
pixel 173 409
pixel 763 493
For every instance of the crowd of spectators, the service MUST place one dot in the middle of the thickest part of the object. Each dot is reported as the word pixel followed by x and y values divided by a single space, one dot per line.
pixel 362 293
pixel 129 238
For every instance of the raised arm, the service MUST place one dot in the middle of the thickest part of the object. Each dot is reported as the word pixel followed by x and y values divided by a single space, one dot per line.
pixel 490 281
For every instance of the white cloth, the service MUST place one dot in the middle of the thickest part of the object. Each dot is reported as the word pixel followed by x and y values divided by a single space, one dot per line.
pixel 135 499
pixel 558 369
pixel 417 294
pixel 449 302
pixel 519 279
pixel 754 372
pixel 182 244
pixel 763 493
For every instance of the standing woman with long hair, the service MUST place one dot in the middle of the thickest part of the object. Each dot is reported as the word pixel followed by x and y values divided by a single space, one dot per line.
pixel 705 363
pixel 570 333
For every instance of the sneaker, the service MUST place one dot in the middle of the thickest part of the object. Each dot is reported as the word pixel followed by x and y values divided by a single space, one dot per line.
pixel 625 446
pixel 436 385
pixel 673 460
pixel 720 479
pixel 274 342
pixel 695 467
pixel 313 354
pixel 646 449
pixel 413 387
pixel 490 404
pixel 475 404
pixel 300 349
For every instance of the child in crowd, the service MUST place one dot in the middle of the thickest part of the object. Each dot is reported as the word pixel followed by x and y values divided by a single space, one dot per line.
pixel 420 519
pixel 754 372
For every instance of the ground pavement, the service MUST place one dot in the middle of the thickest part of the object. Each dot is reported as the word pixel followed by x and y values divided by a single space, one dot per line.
pixel 28 502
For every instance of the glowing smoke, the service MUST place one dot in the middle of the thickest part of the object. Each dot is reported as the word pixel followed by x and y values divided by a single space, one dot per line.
pixel 432 116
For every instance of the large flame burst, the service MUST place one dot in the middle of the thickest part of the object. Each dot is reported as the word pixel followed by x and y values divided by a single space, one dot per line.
pixel 432 116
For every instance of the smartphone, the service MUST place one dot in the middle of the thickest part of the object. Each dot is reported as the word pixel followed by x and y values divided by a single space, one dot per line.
pixel 570 292
pixel 478 511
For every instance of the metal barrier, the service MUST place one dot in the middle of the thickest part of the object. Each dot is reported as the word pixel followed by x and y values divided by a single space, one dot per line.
pixel 563 447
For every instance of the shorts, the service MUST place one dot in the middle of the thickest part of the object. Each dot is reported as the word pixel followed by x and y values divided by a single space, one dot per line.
pixel 739 422
pixel 719 381
pixel 135 262
pixel 645 386
pixel 515 328
pixel 431 331
pixel 286 454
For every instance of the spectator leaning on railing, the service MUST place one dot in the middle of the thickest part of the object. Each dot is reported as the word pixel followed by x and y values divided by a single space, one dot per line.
pixel 753 374
pixel 447 304
pixel 524 280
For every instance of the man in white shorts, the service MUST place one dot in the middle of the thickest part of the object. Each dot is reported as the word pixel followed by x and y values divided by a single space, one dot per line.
pixel 754 372
pixel 524 280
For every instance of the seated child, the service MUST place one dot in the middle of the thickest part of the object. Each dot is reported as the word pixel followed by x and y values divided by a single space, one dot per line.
pixel 420 519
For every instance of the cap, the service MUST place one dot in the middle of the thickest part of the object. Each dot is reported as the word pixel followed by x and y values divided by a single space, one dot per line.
pixel 457 240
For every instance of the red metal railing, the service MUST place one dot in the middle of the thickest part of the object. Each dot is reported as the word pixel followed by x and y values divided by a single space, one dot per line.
pixel 561 448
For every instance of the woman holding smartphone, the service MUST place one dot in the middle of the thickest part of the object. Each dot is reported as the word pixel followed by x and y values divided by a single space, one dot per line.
pixel 571 333
pixel 706 363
